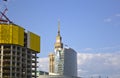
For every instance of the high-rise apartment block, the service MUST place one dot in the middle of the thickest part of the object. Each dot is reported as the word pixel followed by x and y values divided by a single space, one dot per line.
pixel 18 52
pixel 63 61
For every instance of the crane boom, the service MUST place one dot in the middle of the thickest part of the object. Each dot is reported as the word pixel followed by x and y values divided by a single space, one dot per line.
pixel 7 19
pixel 3 13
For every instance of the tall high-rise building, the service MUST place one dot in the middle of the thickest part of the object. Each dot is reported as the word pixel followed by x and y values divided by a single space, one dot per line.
pixel 63 61
pixel 18 52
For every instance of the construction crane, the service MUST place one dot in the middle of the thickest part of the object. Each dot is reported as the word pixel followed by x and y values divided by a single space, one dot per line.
pixel 3 17
pixel 2 14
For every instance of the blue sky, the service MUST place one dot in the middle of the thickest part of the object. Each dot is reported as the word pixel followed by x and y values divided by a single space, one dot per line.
pixel 84 23
pixel 88 26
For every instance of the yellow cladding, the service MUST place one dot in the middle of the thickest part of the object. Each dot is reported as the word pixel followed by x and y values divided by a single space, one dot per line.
pixel 11 34
pixel 34 42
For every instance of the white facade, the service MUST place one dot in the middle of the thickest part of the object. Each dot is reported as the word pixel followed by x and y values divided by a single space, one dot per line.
pixel 59 62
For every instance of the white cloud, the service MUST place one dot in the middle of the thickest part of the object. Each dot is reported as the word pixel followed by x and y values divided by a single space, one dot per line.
pixel 82 58
pixel 114 19
pixel 108 20
pixel 118 15
pixel 100 64
pixel 102 50
pixel 43 64
pixel 115 76
pixel 88 49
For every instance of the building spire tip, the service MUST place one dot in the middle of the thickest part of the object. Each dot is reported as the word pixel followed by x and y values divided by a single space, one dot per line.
pixel 58 27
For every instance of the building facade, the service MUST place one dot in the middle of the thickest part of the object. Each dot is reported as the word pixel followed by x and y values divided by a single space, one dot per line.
pixel 70 62
pixel 63 61
pixel 18 52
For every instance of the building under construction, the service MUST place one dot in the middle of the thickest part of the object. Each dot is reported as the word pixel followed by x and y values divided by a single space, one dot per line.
pixel 18 52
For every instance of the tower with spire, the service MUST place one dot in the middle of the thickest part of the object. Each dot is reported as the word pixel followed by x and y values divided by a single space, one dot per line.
pixel 58 54
pixel 63 61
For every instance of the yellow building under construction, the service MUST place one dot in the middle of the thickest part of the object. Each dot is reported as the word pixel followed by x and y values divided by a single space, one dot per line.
pixel 18 52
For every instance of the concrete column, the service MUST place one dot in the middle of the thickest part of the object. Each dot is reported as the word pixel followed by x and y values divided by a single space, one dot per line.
pixel 15 61
pixel 20 61
pixel 26 62
pixel 31 63
pixel 1 68
pixel 35 65
pixel 11 59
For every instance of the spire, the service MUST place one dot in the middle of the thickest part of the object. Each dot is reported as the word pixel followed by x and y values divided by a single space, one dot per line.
pixel 58 43
pixel 58 27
